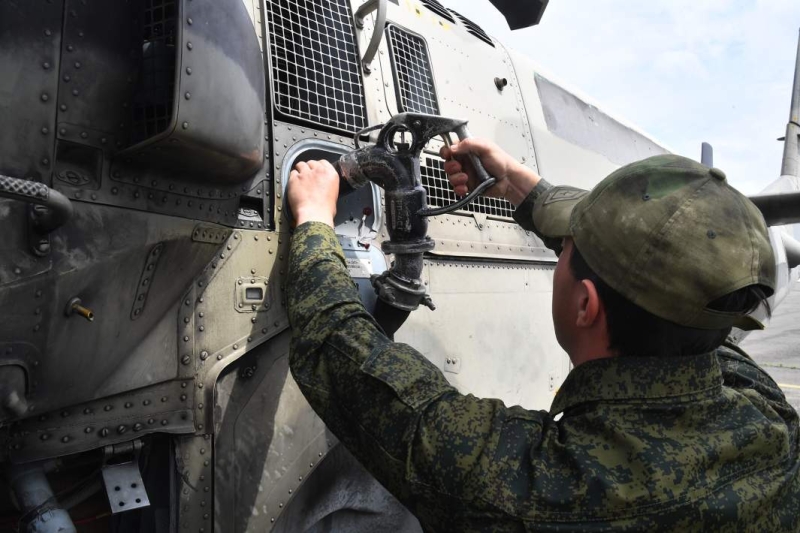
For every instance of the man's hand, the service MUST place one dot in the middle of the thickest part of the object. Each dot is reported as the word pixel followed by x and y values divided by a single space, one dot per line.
pixel 514 180
pixel 312 192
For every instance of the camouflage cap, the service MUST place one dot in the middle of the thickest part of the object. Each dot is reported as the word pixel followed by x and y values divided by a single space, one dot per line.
pixel 668 234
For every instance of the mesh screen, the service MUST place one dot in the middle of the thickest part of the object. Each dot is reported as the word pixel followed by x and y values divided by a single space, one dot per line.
pixel 152 103
pixel 473 28
pixel 416 92
pixel 434 179
pixel 439 9
pixel 315 63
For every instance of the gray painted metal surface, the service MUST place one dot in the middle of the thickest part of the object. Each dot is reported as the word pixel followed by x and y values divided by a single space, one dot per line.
pixel 30 55
pixel 586 126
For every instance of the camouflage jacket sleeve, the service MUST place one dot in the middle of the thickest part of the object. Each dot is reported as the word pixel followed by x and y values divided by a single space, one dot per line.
pixel 523 215
pixel 430 446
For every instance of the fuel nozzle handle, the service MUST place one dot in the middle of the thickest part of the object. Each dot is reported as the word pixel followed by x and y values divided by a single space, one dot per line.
pixel 481 174
pixel 485 181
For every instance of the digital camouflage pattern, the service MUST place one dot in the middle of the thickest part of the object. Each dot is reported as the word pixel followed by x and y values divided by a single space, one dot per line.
pixel 705 443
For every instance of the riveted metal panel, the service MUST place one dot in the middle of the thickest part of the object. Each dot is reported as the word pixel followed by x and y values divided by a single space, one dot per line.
pixel 284 138
pixel 211 332
pixel 466 62
pixel 478 235
pixel 119 80
pixel 217 60
pixel 482 297
pixel 257 16
pixel 98 72
pixel 30 45
pixel 223 335
pixel 472 28
pixel 194 463
pixel 268 439
pixel 163 408
pixel 81 360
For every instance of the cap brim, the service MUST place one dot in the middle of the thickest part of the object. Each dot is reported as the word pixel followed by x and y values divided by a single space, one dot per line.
pixel 748 323
pixel 553 209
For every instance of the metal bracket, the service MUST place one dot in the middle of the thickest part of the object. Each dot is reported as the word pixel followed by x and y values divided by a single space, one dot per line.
pixel 480 220
pixel 124 484
pixel 380 6
pixel 145 280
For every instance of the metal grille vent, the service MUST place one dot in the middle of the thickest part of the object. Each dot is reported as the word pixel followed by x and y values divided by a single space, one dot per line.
pixel 315 63
pixel 434 179
pixel 473 28
pixel 152 103
pixel 439 9
pixel 412 70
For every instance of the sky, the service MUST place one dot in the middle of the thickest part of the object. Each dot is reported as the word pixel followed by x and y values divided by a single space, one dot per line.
pixel 683 71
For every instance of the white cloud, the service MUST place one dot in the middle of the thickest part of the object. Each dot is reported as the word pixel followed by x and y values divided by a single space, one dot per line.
pixel 685 71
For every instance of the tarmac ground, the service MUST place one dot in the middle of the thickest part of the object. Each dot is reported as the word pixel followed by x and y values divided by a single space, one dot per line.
pixel 777 348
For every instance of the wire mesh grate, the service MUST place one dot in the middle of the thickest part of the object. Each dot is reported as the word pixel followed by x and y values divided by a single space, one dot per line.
pixel 440 194
pixel 412 67
pixel 153 100
pixel 439 9
pixel 315 63
pixel 473 28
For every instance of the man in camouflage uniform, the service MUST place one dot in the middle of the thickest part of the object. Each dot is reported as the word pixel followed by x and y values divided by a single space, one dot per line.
pixel 657 428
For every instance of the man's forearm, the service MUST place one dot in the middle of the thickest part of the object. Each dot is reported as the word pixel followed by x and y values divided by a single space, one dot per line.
pixel 521 181
pixel 360 383
pixel 523 215
pixel 390 406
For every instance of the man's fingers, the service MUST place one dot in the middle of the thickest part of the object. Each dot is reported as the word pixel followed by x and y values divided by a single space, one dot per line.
pixel 459 183
pixel 327 164
pixel 474 145
pixel 301 166
pixel 453 167
pixel 457 179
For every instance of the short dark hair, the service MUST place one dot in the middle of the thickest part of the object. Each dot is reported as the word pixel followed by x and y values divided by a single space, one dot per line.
pixel 633 331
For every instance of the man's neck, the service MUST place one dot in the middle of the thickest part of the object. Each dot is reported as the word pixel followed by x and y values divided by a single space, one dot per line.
pixel 590 354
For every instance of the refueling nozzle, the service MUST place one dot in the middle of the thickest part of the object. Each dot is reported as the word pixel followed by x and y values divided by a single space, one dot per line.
pixel 393 163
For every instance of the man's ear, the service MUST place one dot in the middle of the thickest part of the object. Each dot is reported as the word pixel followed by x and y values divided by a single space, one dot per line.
pixel 589 305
